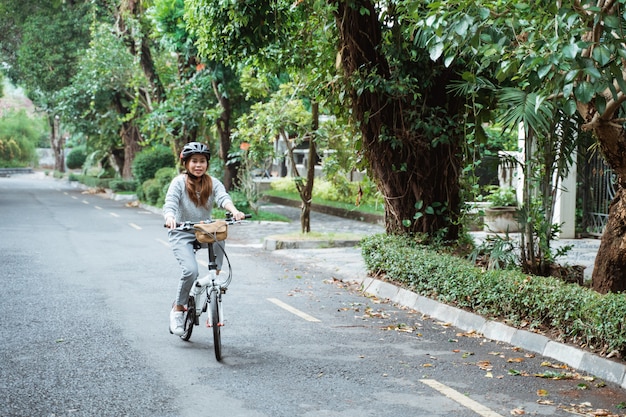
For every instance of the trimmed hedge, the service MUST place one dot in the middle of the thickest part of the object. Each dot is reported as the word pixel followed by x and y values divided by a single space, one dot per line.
pixel 575 314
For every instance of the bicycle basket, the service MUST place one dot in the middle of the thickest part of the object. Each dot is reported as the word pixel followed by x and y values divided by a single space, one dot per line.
pixel 211 232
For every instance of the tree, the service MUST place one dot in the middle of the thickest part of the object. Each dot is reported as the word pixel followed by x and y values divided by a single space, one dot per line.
pixel 411 129
pixel 571 54
pixel 107 97
pixel 41 42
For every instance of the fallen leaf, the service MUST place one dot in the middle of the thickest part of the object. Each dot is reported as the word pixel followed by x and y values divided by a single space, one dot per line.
pixel 542 393
pixel 517 412
pixel 488 375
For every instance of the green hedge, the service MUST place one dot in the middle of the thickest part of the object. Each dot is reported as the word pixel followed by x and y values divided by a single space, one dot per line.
pixel 578 314
pixel 90 181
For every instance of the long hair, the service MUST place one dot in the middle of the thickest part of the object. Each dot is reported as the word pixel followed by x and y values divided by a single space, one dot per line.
pixel 199 189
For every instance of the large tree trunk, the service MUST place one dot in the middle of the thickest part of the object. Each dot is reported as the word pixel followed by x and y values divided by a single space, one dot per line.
pixel 609 272
pixel 132 138
pixel 417 173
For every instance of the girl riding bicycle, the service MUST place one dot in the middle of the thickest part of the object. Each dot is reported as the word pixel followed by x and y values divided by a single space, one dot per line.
pixel 190 197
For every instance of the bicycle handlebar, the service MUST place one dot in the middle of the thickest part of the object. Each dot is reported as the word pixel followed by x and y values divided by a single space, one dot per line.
pixel 188 225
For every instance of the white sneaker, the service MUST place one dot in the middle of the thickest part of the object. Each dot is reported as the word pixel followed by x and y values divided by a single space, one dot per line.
pixel 177 323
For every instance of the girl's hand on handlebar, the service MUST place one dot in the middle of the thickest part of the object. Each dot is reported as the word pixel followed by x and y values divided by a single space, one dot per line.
pixel 238 215
pixel 170 222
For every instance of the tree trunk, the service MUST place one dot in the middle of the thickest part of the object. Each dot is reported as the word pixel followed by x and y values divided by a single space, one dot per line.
pixel 134 8
pixel 609 272
pixel 131 137
pixel 416 172
pixel 306 191
pixel 223 130
pixel 57 143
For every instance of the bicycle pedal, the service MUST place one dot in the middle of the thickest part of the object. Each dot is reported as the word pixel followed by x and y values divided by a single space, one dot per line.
pixel 223 290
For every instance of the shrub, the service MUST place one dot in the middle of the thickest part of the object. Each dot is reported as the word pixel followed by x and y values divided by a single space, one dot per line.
pixel 151 190
pixel 164 177
pixel 76 157
pixel 119 185
pixel 149 161
pixel 579 315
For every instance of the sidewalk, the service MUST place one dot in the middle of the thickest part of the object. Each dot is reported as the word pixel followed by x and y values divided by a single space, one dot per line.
pixel 346 263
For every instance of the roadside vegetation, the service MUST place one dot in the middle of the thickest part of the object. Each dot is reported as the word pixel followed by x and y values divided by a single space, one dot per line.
pixel 563 311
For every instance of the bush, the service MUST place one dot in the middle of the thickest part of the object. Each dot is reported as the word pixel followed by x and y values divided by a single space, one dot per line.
pixel 149 161
pixel 151 190
pixel 76 158
pixel 120 185
pixel 578 314
pixel 164 177
pixel 19 134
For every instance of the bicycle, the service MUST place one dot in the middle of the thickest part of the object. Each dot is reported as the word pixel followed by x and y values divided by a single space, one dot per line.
pixel 206 292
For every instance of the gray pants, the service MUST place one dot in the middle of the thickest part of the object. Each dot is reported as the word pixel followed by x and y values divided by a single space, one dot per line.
pixel 181 243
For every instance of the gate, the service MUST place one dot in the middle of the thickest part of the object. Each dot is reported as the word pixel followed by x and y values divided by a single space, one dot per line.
pixel 597 189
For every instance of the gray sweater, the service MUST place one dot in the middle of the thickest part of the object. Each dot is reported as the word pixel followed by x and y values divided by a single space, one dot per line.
pixel 179 205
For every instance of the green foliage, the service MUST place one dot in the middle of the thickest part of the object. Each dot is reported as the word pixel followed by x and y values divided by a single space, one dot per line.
pixel 151 191
pixel 164 177
pixel 120 185
pixel 501 196
pixel 19 134
pixel 76 157
pixel 149 161
pixel 580 315
pixel 328 191
pixel 91 181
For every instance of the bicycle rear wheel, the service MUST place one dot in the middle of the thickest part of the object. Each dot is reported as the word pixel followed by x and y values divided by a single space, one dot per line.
pixel 215 323
pixel 190 318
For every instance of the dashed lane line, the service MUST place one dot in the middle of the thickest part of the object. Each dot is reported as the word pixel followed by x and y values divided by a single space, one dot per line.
pixel 114 214
pixel 134 226
pixel 454 395
pixel 293 310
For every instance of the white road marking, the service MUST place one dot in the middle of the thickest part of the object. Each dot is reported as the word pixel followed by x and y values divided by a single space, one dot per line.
pixel 293 310
pixel 98 207
pixel 114 214
pixel 460 398
pixel 134 226
pixel 85 202
pixel 163 242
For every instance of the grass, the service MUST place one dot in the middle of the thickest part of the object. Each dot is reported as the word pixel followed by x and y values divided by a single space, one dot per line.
pixel 260 216
pixel 364 207
pixel 317 236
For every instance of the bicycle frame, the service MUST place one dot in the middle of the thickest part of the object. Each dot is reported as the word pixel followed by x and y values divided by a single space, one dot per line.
pixel 206 292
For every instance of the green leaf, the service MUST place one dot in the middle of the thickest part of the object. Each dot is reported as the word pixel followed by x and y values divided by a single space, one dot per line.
pixel 571 51
pixel 406 223
pixel 612 21
pixel 592 71
pixel 436 51
pixel 571 75
pixel 570 107
pixel 602 55
pixel 584 92
pixel 543 71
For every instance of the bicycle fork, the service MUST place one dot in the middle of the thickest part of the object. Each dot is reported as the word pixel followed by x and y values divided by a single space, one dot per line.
pixel 220 308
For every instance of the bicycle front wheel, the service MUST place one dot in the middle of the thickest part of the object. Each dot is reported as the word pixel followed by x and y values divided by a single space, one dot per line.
pixel 215 323
pixel 190 319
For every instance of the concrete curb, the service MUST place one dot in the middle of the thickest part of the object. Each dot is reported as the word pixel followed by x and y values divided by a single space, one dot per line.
pixel 579 359
pixel 271 243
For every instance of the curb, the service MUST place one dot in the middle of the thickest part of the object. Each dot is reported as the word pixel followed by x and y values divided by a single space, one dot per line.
pixel 270 243
pixel 603 368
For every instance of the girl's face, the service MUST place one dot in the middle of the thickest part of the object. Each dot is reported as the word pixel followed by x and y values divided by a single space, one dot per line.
pixel 197 165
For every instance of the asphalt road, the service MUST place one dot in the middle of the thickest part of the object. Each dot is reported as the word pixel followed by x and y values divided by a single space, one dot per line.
pixel 88 283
